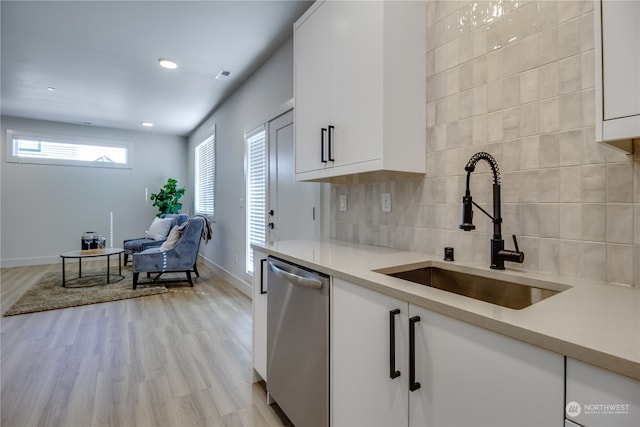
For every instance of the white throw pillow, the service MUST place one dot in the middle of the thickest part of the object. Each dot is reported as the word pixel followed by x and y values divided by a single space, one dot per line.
pixel 172 238
pixel 159 228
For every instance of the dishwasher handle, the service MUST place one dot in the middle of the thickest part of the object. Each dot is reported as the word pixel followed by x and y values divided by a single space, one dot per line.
pixel 295 279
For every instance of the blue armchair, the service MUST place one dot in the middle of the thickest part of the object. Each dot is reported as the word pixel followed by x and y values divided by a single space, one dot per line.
pixel 133 246
pixel 181 258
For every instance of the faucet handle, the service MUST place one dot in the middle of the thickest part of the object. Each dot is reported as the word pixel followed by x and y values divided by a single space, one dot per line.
pixel 515 243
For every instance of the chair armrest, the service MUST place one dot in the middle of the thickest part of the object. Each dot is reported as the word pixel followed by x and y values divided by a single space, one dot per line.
pixel 150 260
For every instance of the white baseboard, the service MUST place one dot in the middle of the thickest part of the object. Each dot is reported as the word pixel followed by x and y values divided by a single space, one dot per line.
pixel 238 283
pixel 24 262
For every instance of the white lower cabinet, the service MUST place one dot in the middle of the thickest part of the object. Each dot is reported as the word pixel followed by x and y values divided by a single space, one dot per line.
pixel 467 376
pixel 259 306
pixel 596 397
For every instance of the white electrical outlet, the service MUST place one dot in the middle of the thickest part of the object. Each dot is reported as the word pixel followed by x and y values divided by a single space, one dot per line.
pixel 386 202
pixel 343 202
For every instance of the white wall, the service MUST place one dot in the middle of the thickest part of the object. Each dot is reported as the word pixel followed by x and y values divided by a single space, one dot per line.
pixel 261 95
pixel 45 209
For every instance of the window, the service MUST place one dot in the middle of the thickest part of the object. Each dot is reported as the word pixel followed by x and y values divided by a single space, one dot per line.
pixel 256 191
pixel 205 176
pixel 68 151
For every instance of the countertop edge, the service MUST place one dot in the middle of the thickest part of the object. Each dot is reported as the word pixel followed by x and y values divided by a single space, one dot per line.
pixel 595 357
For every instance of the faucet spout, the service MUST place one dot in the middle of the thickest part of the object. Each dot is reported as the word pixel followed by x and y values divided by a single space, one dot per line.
pixel 498 253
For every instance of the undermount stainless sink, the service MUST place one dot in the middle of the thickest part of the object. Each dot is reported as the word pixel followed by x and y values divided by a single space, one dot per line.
pixel 501 292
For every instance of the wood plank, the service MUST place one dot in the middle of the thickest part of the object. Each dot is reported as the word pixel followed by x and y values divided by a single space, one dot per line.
pixel 182 358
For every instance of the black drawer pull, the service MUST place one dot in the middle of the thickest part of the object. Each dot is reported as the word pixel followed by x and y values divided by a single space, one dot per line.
pixel 262 261
pixel 323 132
pixel 392 344
pixel 413 385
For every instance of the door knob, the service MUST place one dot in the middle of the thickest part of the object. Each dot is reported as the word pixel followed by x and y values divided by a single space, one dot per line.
pixel 271 212
pixel 270 225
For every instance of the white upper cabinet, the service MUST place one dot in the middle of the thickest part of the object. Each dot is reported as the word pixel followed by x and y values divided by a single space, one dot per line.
pixel 617 72
pixel 360 89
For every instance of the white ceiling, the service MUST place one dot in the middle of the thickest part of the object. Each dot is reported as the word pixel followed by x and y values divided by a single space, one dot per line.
pixel 102 58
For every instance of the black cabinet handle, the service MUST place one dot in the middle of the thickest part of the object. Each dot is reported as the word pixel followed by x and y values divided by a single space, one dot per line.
pixel 413 385
pixel 330 145
pixel 323 132
pixel 392 344
pixel 262 261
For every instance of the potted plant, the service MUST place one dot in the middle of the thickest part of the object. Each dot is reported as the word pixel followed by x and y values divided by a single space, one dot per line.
pixel 168 198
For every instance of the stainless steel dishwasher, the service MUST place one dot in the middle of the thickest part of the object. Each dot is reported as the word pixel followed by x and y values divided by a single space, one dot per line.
pixel 298 342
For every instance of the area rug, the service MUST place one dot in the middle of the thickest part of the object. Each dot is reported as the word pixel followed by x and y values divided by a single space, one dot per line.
pixel 47 294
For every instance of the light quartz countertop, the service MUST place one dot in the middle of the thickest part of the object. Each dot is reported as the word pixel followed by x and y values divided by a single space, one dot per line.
pixel 594 322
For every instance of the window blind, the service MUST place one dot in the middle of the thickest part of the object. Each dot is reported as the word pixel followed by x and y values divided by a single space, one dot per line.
pixel 205 172
pixel 256 191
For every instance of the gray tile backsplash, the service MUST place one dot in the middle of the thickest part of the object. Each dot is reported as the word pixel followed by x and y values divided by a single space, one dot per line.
pixel 514 78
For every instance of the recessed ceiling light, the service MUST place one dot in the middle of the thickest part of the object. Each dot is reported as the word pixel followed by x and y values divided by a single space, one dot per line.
pixel 51 88
pixel 146 124
pixel 167 63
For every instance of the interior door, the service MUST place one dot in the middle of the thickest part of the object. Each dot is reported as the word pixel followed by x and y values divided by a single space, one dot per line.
pixel 293 207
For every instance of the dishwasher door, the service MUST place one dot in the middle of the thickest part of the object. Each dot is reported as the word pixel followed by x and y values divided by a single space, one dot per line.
pixel 298 342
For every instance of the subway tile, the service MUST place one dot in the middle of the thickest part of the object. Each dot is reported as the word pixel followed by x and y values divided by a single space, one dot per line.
pixel 571 261
pixel 570 184
pixel 587 38
pixel 549 185
pixel 494 126
pixel 480 129
pixel 529 119
pixel 529 53
pixel 569 38
pixel 570 147
pixel 479 100
pixel 549 255
pixel 571 221
pixel 620 182
pixel 529 213
pixel 529 152
pixel 529 86
pixel 549 151
pixel 588 105
pixel 479 66
pixel 570 106
pixel 594 222
pixel 548 46
pixel 587 70
pixel 594 188
pixel 568 9
pixel 511 123
pixel 494 96
pixel 548 80
pixel 594 261
pixel 569 74
pixel 511 91
pixel 620 220
pixel 620 264
pixel 549 220
pixel 549 115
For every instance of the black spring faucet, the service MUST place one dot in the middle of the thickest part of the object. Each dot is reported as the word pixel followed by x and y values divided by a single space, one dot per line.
pixel 498 253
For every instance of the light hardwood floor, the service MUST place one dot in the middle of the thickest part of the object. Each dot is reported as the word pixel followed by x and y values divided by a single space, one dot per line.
pixel 182 358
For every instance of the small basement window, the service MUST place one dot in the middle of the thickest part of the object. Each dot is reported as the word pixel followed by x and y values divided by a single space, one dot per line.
pixel 66 151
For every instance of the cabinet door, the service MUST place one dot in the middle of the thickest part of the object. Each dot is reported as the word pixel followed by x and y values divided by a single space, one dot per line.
pixel 259 304
pixel 600 397
pixel 312 71
pixel 356 81
pixel 362 390
pixel 470 376
pixel 621 58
